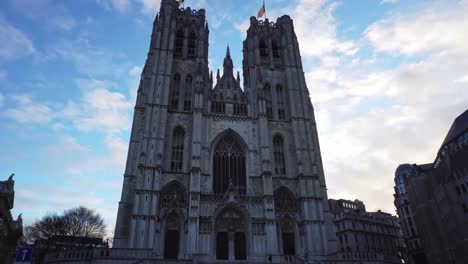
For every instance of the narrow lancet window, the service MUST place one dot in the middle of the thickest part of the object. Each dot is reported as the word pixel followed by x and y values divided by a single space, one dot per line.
pixel 192 44
pixel 278 149
pixel 179 43
pixel 269 107
pixel 280 101
pixel 188 94
pixel 174 95
pixel 177 158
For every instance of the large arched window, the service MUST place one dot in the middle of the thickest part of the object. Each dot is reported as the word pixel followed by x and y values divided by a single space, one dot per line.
pixel 174 94
pixel 179 42
pixel 278 153
pixel 188 93
pixel 280 101
pixel 229 165
pixel 192 44
pixel 177 157
pixel 269 107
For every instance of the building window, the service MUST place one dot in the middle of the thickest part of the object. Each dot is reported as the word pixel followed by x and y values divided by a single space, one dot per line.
pixel 263 48
pixel 275 50
pixel 174 95
pixel 177 149
pixel 192 44
pixel 229 165
pixel 179 43
pixel 280 101
pixel 240 109
pixel 188 93
pixel 269 107
pixel 218 107
pixel 278 153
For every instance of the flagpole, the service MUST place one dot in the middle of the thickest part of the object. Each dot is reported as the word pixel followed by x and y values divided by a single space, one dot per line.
pixel 264 9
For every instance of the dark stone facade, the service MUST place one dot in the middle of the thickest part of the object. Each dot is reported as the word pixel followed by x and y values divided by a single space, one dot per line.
pixel 438 194
pixel 10 230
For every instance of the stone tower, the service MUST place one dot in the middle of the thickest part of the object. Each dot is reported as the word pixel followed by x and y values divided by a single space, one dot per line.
pixel 230 172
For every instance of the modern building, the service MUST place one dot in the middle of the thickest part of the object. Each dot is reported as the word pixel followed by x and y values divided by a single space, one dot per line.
pixel 10 230
pixel 219 170
pixel 365 237
pixel 438 193
pixel 414 253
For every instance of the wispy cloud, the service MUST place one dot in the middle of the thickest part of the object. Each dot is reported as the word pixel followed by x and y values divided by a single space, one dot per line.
pixel 26 111
pixel 13 42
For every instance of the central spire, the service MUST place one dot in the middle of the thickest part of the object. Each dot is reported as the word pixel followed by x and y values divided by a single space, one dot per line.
pixel 228 66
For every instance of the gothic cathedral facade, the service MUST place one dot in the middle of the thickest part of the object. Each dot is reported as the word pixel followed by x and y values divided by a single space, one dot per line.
pixel 216 171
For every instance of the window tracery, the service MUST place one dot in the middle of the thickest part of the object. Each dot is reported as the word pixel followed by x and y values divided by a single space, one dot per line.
pixel 174 196
pixel 177 149
pixel 229 165
pixel 285 202
pixel 278 153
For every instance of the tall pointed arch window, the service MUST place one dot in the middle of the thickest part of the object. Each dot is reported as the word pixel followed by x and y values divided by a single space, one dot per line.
pixel 229 165
pixel 263 48
pixel 275 50
pixel 177 157
pixel 280 101
pixel 179 43
pixel 188 93
pixel 269 107
pixel 278 153
pixel 192 44
pixel 174 94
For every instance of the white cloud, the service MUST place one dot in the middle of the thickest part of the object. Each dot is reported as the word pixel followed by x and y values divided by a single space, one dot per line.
pixel 2 99
pixel 150 7
pixel 370 119
pixel 135 71
pixel 28 112
pixel 100 110
pixel 389 1
pixel 315 27
pixel 63 22
pixel 118 5
pixel 13 42
pixel 434 28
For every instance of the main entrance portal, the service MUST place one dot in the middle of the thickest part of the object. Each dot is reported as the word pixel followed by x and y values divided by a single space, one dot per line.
pixel 231 229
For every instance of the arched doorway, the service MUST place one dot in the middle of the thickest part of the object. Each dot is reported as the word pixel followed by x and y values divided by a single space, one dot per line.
pixel 172 237
pixel 286 206
pixel 229 164
pixel 231 230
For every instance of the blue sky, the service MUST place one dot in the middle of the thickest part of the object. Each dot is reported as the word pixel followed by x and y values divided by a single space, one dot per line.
pixel 386 78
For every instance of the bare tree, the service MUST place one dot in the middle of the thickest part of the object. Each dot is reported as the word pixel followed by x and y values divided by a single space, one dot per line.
pixel 84 222
pixel 78 221
pixel 48 226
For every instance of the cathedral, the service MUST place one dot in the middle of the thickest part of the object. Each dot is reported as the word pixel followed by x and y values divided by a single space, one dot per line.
pixel 219 170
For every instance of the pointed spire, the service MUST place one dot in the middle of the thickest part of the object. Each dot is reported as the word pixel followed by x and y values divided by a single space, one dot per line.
pixel 211 76
pixel 227 65
pixel 238 77
pixel 228 54
pixel 217 76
